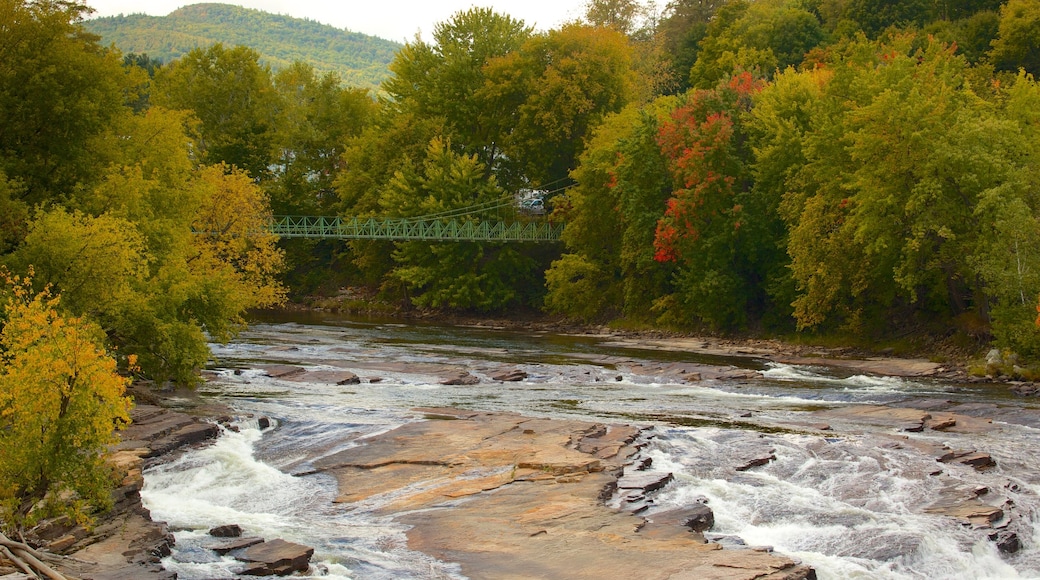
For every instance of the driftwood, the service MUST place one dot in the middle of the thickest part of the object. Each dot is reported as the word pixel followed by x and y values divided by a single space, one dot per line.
pixel 28 559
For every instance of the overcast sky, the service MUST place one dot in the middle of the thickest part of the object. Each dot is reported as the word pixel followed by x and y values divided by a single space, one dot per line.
pixel 391 19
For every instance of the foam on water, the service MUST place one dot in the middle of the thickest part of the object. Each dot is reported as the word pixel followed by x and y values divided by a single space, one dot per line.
pixel 781 371
pixel 853 514
pixel 225 483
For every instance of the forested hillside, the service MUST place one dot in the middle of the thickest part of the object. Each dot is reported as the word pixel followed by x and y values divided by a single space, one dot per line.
pixel 361 60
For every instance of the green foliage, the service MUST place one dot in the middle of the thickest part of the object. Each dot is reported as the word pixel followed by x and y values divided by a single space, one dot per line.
pixel 1018 37
pixel 359 59
pixel 232 96
pixel 579 288
pixel 318 117
pixel 60 397
pixel 874 16
pixel 762 37
pixel 59 93
pixel 560 85
pixel 464 275
pixel 683 25
pixel 443 80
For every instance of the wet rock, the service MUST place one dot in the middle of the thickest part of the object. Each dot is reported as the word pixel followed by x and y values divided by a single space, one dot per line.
pixel 1007 542
pixel 282 371
pixel 226 531
pixel 1025 390
pixel 276 558
pixel 233 544
pixel 757 461
pixel 263 423
pixel 942 424
pixel 980 461
pixel 645 481
pixel 972 512
pixel 182 437
pixel 698 517
pixel 726 540
pixel 196 555
pixel 462 378
pixel 531 522
pixel 512 376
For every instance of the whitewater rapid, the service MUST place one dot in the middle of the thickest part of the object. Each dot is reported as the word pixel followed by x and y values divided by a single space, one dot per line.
pixel 848 504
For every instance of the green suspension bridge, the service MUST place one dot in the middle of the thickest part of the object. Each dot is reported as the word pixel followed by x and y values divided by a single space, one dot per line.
pixel 501 220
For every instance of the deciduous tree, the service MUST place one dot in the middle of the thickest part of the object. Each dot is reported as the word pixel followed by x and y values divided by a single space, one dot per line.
pixel 60 399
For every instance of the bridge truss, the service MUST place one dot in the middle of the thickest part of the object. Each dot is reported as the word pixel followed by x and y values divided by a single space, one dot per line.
pixel 400 229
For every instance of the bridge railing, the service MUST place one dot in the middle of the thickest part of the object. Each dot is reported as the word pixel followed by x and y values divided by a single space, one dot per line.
pixel 409 229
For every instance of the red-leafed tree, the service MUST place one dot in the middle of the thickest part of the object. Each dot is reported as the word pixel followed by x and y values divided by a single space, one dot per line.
pixel 703 227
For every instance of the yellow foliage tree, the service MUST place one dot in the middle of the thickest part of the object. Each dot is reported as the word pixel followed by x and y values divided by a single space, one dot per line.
pixel 235 258
pixel 60 399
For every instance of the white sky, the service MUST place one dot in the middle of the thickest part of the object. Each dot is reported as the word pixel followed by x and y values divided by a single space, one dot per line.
pixel 397 20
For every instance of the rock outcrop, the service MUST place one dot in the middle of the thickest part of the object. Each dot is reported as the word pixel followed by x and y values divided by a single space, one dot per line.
pixel 548 514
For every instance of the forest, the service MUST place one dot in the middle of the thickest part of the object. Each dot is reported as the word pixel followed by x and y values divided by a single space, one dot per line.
pixel 866 169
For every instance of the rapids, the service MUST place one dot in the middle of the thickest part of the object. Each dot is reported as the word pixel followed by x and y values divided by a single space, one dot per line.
pixel 847 501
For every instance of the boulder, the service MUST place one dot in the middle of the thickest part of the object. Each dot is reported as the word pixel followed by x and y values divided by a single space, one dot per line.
pixel 510 376
pixel 462 378
pixel 226 531
pixel 276 558
pixel 1007 542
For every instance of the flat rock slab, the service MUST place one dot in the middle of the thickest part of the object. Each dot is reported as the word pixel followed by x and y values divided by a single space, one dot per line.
pixel 230 545
pixel 282 371
pixel 645 481
pixel 507 496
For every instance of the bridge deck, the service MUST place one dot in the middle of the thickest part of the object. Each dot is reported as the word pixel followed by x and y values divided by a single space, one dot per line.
pixel 413 229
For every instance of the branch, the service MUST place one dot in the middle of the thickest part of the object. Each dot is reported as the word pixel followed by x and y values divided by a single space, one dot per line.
pixel 26 558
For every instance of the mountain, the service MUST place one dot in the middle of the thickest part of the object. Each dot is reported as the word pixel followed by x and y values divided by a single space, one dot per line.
pixel 360 59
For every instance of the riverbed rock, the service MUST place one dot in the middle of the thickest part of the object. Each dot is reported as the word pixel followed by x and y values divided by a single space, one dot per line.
pixel 547 515
pixel 326 377
pixel 276 558
pixel 282 371
pixel 461 378
pixel 232 544
pixel 510 376
pixel 913 420
pixel 645 481
pixel 756 461
pixel 980 461
pixel 226 531
pixel 1007 542
pixel 697 517
pixel 971 511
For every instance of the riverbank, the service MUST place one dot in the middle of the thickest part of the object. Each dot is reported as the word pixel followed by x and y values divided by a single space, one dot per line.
pixel 940 361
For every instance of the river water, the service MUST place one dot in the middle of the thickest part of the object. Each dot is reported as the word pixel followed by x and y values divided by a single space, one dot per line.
pixel 850 501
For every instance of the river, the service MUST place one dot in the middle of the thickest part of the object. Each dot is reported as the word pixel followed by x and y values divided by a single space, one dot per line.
pixel 848 501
